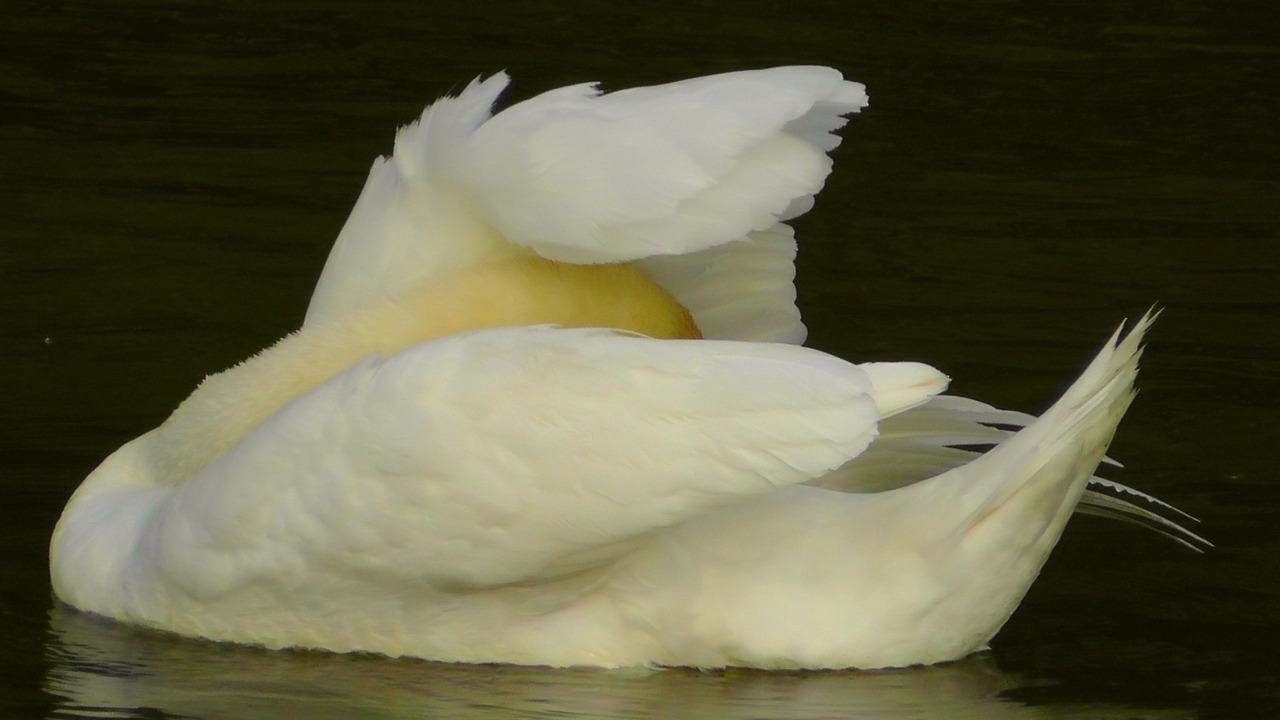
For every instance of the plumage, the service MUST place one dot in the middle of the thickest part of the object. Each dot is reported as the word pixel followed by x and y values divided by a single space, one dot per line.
pixel 549 406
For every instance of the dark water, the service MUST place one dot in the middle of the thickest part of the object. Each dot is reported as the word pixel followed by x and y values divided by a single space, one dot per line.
pixel 1027 175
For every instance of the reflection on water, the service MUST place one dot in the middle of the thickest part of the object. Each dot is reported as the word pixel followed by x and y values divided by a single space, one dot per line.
pixel 102 669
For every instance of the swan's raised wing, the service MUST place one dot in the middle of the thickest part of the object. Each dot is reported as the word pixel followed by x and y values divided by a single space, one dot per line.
pixel 584 177
pixel 665 170
pixel 517 454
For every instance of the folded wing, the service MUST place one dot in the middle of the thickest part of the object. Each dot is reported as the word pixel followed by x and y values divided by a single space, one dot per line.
pixel 518 454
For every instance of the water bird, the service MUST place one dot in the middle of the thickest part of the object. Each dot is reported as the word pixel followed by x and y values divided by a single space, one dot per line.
pixel 550 405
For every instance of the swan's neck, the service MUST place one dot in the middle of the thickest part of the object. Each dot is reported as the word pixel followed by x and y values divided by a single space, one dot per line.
pixel 522 291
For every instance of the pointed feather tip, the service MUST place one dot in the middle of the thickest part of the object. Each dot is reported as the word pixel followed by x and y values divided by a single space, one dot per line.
pixel 485 86
pixel 1128 341
pixel 1121 350
pixel 1113 500
pixel 417 145
pixel 1132 336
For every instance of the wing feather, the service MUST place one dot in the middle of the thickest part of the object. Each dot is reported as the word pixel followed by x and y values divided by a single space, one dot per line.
pixel 743 290
pixel 522 453
pixel 579 176
pixel 586 177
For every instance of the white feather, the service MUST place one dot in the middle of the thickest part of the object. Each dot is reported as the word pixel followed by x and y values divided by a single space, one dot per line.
pixel 742 290
pixel 488 459
pixel 536 494
pixel 579 176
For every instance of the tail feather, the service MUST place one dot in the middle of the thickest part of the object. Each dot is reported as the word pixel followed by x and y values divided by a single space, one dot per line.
pixel 1104 498
pixel 1021 493
pixel 949 432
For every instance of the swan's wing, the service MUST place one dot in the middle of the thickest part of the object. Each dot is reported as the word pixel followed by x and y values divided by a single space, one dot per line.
pixel 522 453
pixel 743 290
pixel 584 177
pixel 665 170
pixel 411 223
pixel 925 441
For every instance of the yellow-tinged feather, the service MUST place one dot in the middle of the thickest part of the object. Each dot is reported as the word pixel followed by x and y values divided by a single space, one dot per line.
pixel 521 291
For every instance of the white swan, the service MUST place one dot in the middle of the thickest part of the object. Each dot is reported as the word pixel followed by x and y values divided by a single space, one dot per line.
pixel 497 437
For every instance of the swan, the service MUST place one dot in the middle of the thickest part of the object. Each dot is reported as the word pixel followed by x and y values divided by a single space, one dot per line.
pixel 549 405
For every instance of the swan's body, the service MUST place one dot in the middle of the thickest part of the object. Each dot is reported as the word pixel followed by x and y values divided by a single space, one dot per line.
pixel 498 438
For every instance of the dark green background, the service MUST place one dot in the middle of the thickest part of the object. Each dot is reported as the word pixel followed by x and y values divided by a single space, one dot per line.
pixel 1027 175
